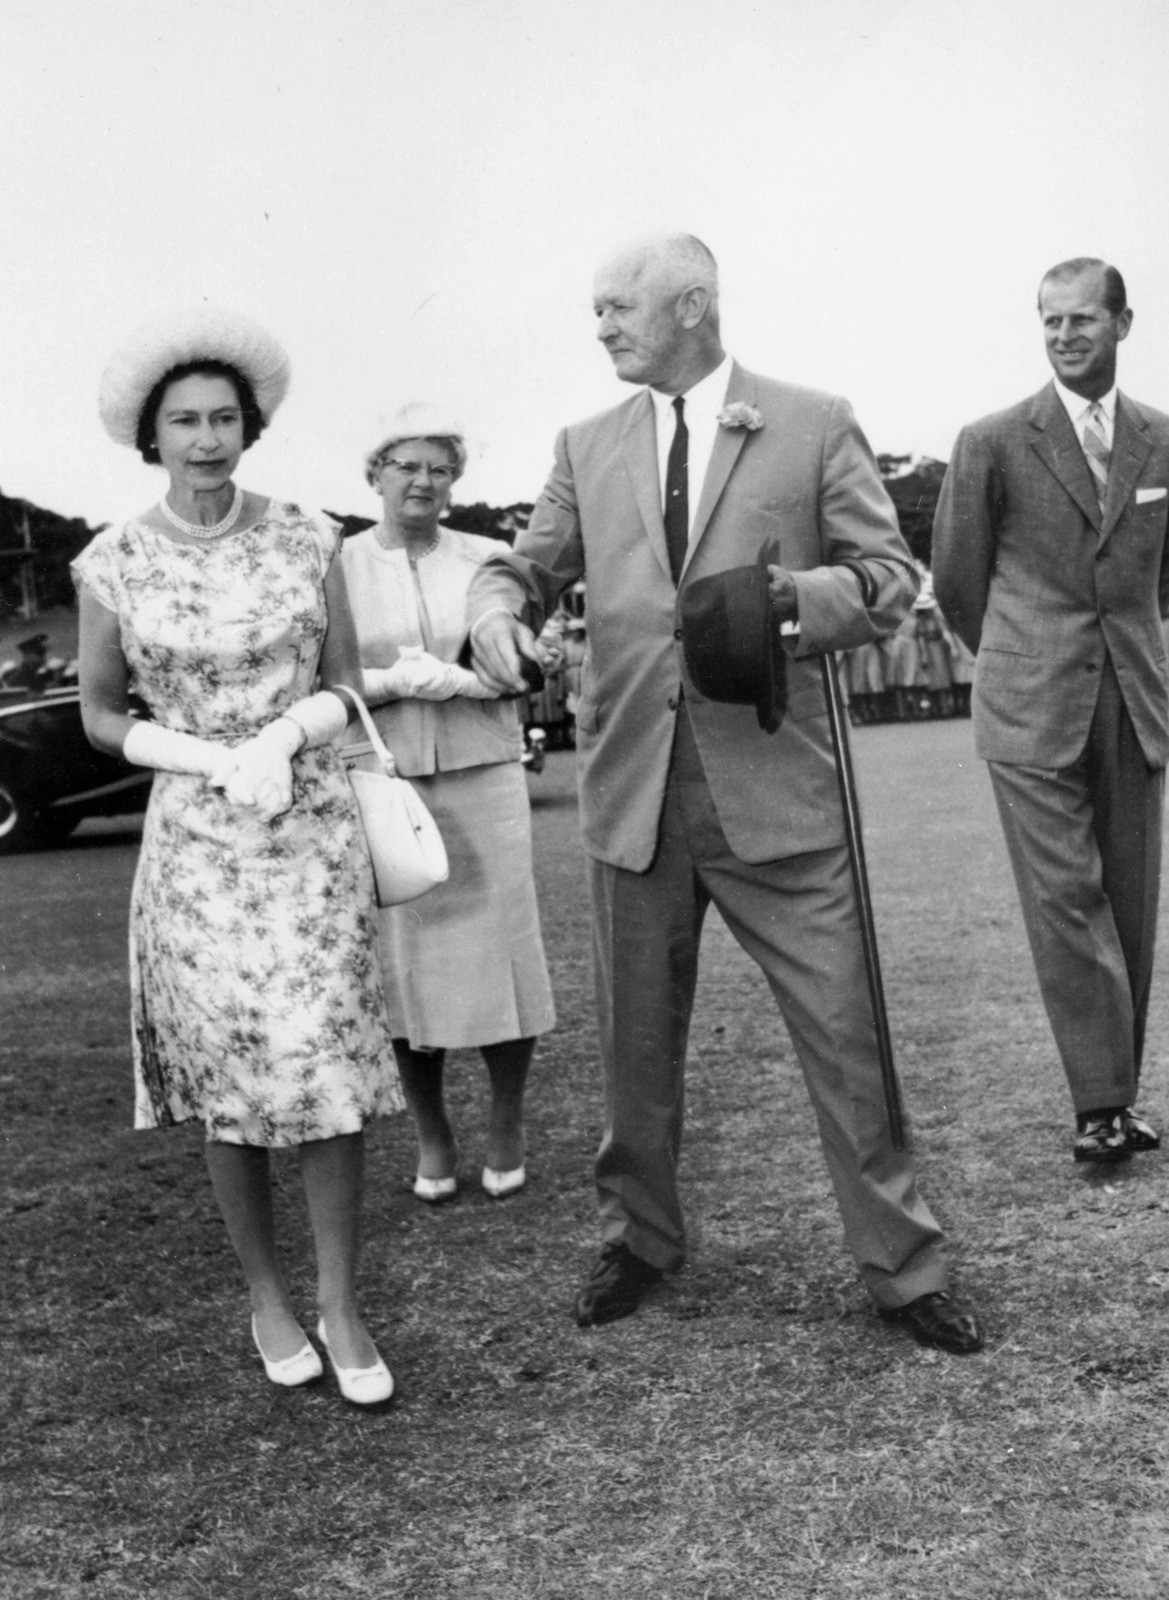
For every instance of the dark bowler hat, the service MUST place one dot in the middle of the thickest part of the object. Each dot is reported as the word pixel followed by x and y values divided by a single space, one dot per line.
pixel 731 641
pixel 37 643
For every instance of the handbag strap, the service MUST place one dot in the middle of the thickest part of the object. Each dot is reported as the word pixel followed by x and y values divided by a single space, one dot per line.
pixel 380 749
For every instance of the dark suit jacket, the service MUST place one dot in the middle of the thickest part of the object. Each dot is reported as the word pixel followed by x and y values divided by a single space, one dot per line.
pixel 807 478
pixel 1033 578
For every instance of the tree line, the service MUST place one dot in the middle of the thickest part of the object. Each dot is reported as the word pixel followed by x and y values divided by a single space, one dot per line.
pixel 43 543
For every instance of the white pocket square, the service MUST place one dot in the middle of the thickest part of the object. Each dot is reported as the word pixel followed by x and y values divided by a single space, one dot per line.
pixel 1145 495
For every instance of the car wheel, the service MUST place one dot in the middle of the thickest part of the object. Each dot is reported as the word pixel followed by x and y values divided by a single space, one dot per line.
pixel 24 829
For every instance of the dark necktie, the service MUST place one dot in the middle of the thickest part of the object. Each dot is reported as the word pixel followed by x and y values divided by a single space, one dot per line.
pixel 677 509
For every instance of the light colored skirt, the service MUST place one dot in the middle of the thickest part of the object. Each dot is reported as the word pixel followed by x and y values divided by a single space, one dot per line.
pixel 464 965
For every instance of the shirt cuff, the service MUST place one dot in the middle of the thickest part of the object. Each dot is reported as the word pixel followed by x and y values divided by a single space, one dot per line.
pixel 495 611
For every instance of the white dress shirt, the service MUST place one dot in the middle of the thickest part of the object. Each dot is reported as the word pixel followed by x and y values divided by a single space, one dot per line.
pixel 702 404
pixel 1078 408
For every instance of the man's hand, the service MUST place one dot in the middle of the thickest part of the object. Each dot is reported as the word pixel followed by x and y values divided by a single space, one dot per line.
pixel 497 645
pixel 784 599
pixel 550 654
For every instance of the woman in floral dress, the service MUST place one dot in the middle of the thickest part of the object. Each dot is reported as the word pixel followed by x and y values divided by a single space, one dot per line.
pixel 257 1000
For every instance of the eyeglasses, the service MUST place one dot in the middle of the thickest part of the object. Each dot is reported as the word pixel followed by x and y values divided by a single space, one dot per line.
pixel 413 469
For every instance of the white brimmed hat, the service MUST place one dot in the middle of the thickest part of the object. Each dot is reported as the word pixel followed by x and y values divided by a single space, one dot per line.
pixel 200 333
pixel 418 420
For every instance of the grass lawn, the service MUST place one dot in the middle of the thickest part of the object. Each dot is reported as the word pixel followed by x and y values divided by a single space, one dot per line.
pixel 755 1431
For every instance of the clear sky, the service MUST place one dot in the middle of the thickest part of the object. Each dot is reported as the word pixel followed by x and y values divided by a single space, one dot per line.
pixel 413 197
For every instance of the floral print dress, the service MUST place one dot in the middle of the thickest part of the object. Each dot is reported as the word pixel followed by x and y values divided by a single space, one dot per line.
pixel 256 995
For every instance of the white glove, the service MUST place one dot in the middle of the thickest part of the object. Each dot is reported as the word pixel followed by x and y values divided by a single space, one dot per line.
pixel 471 686
pixel 149 744
pixel 323 716
pixel 261 772
pixel 416 675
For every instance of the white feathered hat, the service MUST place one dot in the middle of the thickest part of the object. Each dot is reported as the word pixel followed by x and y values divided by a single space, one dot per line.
pixel 199 333
pixel 418 420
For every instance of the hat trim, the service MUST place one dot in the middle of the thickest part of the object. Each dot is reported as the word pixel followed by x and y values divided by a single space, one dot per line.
pixel 204 333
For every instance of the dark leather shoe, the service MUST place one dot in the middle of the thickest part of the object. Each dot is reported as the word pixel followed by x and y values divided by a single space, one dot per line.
pixel 1139 1134
pixel 613 1289
pixel 1102 1136
pixel 936 1319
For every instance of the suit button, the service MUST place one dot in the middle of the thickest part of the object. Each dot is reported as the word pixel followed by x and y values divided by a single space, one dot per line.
pixel 1091 666
pixel 672 703
pixel 677 633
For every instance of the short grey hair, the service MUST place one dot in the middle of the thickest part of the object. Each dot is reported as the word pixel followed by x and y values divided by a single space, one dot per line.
pixel 687 262
pixel 679 261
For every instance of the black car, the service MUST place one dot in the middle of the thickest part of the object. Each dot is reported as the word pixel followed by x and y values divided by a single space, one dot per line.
pixel 51 776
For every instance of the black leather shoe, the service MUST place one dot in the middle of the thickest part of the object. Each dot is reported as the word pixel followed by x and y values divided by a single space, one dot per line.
pixel 1102 1136
pixel 613 1289
pixel 1139 1134
pixel 936 1319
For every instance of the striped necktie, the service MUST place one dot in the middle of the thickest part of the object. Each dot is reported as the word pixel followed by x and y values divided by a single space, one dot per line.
pixel 1096 451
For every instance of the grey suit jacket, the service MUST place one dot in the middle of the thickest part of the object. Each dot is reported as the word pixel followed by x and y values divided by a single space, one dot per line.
pixel 808 478
pixel 1034 579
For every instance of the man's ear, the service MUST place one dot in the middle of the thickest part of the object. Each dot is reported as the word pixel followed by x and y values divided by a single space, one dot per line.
pixel 691 306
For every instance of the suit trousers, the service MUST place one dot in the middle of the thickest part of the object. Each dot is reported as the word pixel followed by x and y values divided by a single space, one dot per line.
pixel 797 918
pixel 1085 847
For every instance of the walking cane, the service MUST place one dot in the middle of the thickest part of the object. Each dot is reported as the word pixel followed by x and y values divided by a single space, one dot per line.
pixel 860 879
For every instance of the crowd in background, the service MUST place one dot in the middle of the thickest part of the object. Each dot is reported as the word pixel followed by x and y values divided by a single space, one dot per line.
pixel 921 671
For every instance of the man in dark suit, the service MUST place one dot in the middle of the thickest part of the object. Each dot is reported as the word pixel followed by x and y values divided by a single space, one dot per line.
pixel 685 800
pixel 1049 561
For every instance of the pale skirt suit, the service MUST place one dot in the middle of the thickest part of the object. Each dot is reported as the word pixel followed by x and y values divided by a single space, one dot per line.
pixel 463 965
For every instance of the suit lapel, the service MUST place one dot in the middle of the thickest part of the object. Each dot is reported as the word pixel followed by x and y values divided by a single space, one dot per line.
pixel 639 447
pixel 1054 442
pixel 1130 450
pixel 728 442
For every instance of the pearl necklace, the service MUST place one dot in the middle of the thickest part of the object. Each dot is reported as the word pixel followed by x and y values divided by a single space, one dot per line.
pixel 199 530
pixel 415 556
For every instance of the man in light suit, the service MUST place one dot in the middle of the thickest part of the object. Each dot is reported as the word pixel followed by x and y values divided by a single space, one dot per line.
pixel 684 800
pixel 1049 561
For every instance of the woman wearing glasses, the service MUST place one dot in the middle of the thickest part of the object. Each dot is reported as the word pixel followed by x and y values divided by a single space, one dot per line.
pixel 464 965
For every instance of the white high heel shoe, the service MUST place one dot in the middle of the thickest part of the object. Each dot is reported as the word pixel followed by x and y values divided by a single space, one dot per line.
pixel 435 1190
pixel 304 1367
pixel 500 1184
pixel 361 1386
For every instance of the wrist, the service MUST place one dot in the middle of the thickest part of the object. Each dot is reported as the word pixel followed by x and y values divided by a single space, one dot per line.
pixel 284 735
pixel 320 718
pixel 300 732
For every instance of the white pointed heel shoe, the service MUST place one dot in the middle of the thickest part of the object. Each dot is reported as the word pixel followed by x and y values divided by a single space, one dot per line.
pixel 304 1367
pixel 361 1386
pixel 435 1190
pixel 500 1184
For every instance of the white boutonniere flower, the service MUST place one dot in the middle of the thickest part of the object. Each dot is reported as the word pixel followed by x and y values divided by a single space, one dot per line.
pixel 740 415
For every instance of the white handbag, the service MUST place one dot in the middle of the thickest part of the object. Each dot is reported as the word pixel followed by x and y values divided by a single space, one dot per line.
pixel 404 842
